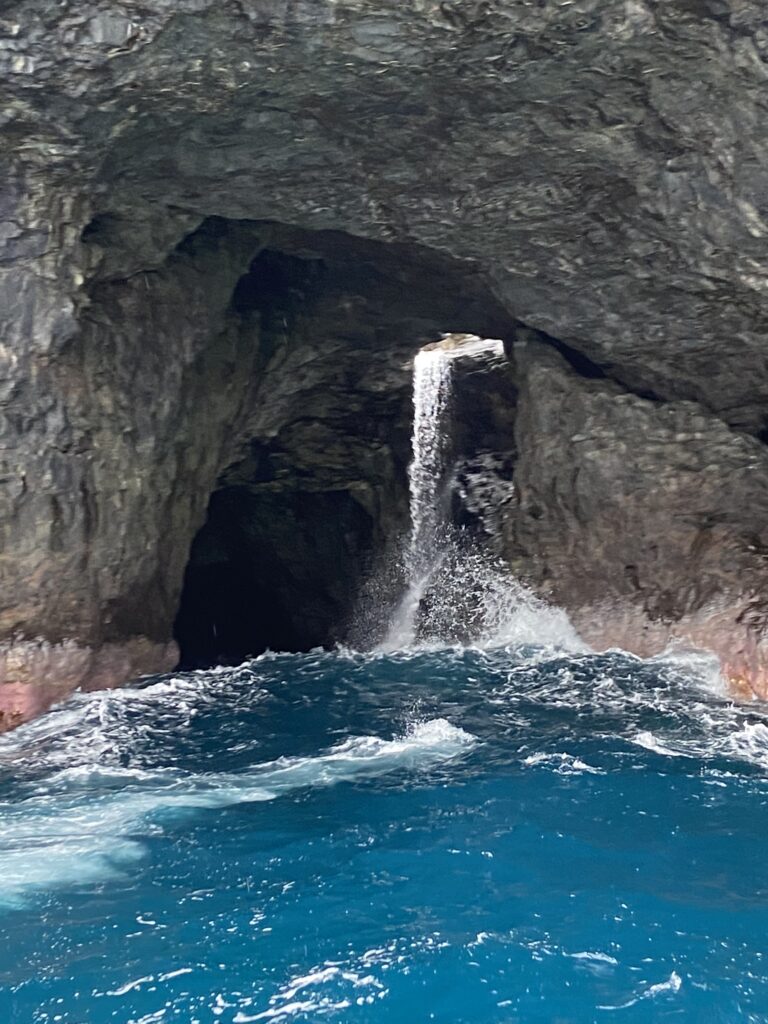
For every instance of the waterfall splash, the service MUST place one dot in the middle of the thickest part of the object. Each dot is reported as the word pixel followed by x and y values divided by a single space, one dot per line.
pixel 457 593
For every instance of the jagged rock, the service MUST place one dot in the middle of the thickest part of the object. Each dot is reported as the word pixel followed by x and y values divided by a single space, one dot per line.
pixel 645 519
pixel 596 170
pixel 482 419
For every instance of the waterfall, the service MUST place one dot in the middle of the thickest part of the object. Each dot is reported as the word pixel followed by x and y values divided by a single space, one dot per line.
pixel 431 399
pixel 470 596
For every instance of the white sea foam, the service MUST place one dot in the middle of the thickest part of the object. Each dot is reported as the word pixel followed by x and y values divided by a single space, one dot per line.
pixel 671 986
pixel 85 832
pixel 671 707
pixel 692 665
pixel 561 764
pixel 594 956
pixel 362 988
pixel 645 738
pixel 724 736
pixel 98 728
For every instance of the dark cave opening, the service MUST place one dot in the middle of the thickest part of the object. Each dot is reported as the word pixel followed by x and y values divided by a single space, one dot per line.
pixel 314 486
pixel 272 571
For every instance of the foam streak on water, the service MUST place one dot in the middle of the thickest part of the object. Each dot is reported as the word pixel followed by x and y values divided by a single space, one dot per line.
pixel 83 823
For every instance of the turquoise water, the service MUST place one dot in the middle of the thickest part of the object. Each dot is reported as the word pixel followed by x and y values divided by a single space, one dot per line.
pixel 457 836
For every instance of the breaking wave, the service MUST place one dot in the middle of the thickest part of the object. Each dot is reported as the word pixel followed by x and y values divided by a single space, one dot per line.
pixel 84 823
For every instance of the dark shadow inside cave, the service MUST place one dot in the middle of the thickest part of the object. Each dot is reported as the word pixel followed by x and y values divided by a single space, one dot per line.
pixel 271 570
pixel 314 486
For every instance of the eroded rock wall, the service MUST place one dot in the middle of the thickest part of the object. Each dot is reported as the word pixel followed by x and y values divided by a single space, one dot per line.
pixel 597 169
pixel 108 482
pixel 646 519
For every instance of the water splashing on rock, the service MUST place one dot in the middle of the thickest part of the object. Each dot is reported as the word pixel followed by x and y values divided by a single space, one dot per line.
pixel 455 592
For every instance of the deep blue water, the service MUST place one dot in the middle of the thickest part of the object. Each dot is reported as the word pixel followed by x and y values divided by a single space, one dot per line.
pixel 455 836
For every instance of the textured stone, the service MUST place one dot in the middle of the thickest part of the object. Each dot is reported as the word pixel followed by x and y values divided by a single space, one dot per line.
pixel 646 519
pixel 596 169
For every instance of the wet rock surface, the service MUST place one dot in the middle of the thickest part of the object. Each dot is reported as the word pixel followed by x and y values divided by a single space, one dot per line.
pixel 595 171
pixel 645 519
pixel 483 447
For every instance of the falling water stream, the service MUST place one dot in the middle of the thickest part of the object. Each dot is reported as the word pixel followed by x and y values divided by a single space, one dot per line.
pixel 432 380
pixel 510 830
pixel 455 592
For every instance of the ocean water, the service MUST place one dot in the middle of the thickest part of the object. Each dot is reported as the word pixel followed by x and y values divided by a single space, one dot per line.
pixel 508 835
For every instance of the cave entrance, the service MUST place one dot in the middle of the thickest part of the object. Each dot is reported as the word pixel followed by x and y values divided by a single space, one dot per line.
pixel 314 485
pixel 271 570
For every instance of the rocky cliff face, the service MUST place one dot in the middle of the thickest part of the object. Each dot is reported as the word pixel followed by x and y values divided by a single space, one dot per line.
pixel 224 226
pixel 645 518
